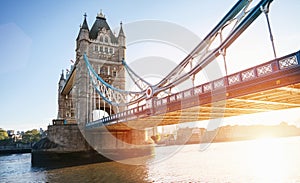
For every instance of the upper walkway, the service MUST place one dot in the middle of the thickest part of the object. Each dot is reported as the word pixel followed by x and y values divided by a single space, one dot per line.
pixel 273 85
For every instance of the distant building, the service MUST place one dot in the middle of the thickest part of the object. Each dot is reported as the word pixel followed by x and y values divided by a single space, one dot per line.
pixel 10 133
pixel 42 133
pixel 17 137
pixel 14 136
pixel 189 135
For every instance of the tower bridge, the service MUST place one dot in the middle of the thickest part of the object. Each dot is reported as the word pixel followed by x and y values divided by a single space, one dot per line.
pixel 273 85
pixel 96 82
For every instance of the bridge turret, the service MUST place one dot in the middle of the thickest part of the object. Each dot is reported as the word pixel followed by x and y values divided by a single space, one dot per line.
pixel 122 42
pixel 61 98
pixel 82 38
pixel 62 81
pixel 105 51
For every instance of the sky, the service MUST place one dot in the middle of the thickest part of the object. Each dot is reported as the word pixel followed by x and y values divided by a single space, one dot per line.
pixel 38 40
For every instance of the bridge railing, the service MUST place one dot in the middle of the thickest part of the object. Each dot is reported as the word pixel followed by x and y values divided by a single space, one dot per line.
pixel 160 106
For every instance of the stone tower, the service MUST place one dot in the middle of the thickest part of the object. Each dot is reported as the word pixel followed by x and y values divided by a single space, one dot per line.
pixel 105 52
pixel 61 99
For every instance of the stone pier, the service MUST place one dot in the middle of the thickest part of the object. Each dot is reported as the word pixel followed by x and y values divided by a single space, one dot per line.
pixel 66 145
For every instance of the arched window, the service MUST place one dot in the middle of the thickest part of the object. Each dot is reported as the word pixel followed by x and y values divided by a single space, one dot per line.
pixel 103 71
pixel 114 72
pixel 106 39
pixel 101 38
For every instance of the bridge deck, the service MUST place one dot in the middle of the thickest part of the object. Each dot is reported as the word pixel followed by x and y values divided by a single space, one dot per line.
pixel 274 99
pixel 270 86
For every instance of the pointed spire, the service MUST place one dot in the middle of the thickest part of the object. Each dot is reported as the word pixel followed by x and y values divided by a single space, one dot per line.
pixel 61 81
pixel 121 36
pixel 62 77
pixel 84 29
pixel 84 24
pixel 121 32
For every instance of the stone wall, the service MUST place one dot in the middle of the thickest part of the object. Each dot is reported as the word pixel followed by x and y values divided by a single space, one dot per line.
pixel 68 137
pixel 66 146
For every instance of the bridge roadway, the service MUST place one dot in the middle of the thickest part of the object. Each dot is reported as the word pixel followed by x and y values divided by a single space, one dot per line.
pixel 273 85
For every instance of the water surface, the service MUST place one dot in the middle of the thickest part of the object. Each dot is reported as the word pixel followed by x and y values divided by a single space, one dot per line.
pixel 264 160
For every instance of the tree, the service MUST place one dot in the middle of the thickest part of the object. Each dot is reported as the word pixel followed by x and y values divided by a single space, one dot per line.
pixel 3 134
pixel 31 136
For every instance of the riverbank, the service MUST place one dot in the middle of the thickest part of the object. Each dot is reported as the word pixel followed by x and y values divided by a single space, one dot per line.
pixel 9 146
pixel 15 148
pixel 9 150
pixel 226 134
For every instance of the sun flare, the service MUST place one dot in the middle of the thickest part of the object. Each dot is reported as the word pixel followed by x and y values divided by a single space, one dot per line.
pixel 267 160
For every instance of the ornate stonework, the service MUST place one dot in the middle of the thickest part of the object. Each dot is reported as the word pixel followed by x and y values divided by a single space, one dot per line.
pixel 105 51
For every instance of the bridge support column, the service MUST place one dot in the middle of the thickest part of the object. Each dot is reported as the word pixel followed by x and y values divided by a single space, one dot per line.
pixel 138 137
pixel 120 144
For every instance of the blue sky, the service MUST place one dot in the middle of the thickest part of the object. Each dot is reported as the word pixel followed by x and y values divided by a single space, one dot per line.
pixel 38 41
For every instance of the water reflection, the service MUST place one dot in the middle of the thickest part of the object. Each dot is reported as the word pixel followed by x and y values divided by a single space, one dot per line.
pixel 100 172
pixel 263 160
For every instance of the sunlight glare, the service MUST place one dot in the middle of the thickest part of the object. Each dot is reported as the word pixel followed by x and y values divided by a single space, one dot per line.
pixel 267 160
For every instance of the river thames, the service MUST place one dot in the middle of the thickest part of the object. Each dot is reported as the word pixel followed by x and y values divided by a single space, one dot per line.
pixel 262 160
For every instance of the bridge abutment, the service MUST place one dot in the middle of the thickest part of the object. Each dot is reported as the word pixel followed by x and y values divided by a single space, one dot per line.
pixel 66 145
pixel 120 144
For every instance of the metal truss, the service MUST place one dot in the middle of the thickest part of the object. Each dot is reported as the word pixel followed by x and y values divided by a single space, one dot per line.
pixel 113 96
pixel 238 18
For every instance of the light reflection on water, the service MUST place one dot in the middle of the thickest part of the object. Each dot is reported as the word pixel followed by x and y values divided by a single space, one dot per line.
pixel 263 160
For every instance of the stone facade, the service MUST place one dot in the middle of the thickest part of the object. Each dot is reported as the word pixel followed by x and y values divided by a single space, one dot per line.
pixel 105 52
pixel 68 137
pixel 68 142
